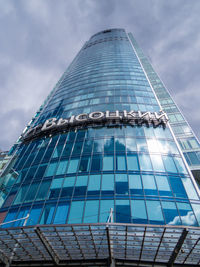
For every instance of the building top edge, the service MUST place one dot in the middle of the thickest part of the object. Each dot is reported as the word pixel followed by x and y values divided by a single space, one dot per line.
pixel 108 30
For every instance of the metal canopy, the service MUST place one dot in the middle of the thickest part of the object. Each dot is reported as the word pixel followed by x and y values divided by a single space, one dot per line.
pixel 100 245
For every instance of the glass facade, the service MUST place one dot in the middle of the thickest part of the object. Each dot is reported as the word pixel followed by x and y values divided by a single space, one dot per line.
pixel 78 175
pixel 187 140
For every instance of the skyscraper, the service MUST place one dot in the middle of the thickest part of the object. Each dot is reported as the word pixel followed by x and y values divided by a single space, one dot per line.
pixel 101 148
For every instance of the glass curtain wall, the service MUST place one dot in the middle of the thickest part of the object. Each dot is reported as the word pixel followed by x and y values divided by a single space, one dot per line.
pixel 77 176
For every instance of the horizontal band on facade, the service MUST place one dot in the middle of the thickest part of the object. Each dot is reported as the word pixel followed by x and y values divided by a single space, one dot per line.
pixel 97 118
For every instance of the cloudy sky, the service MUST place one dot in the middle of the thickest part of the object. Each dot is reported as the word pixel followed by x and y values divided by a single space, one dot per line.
pixel 39 39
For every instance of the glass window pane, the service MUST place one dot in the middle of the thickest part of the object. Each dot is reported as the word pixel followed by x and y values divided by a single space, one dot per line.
pixel 163 186
pixel 84 164
pixel 177 187
pixel 73 164
pixel 142 145
pixel 96 163
pixel 21 194
pixel 169 164
pixel 149 185
pixel 120 144
pixel 68 187
pixel 123 213
pixel 31 192
pixel 75 217
pixel 120 163
pixel 132 161
pixel 51 169
pixel 61 169
pixel 43 190
pixel 105 206
pixel 34 215
pixel 91 211
pixel 121 184
pixel 171 213
pixel 107 186
pixel 145 162
pixel 131 144
pixel 55 188
pixel 196 208
pixel 189 188
pixel 180 165
pixel 61 213
pixel 108 163
pixel 152 145
pixel 135 184
pixel 94 185
pixel 187 214
pixel 154 212
pixel 109 145
pixel 47 214
pixel 138 210
pixel 157 163
pixel 81 185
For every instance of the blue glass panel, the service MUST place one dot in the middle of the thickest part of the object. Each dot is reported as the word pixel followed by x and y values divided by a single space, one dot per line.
pixel 91 211
pixel 171 213
pixel 196 208
pixel 34 215
pixel 61 213
pixel 120 144
pixel 84 164
pixel 96 163
pixel 21 194
pixel 94 185
pixel 55 188
pixel 43 190
pixel 138 210
pixel 189 188
pixel 135 185
pixel 149 185
pixel 108 163
pixel 98 146
pixel 105 207
pixel 10 217
pixel 145 162
pixel 187 214
pixel 163 186
pixel 68 187
pixel 73 164
pixel 40 171
pixel 177 187
pixel 120 163
pixel 22 213
pixel 123 213
pixel 107 187
pixel 132 161
pixel 81 185
pixel 142 145
pixel 51 169
pixel 74 216
pixel 121 184
pixel 61 169
pixel 47 214
pixel 153 145
pixel 180 165
pixel 131 144
pixel 30 195
pixel 109 144
pixel 169 164
pixel 154 212
pixel 157 163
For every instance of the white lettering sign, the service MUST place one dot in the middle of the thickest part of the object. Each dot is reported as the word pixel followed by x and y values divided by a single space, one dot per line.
pixel 95 118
